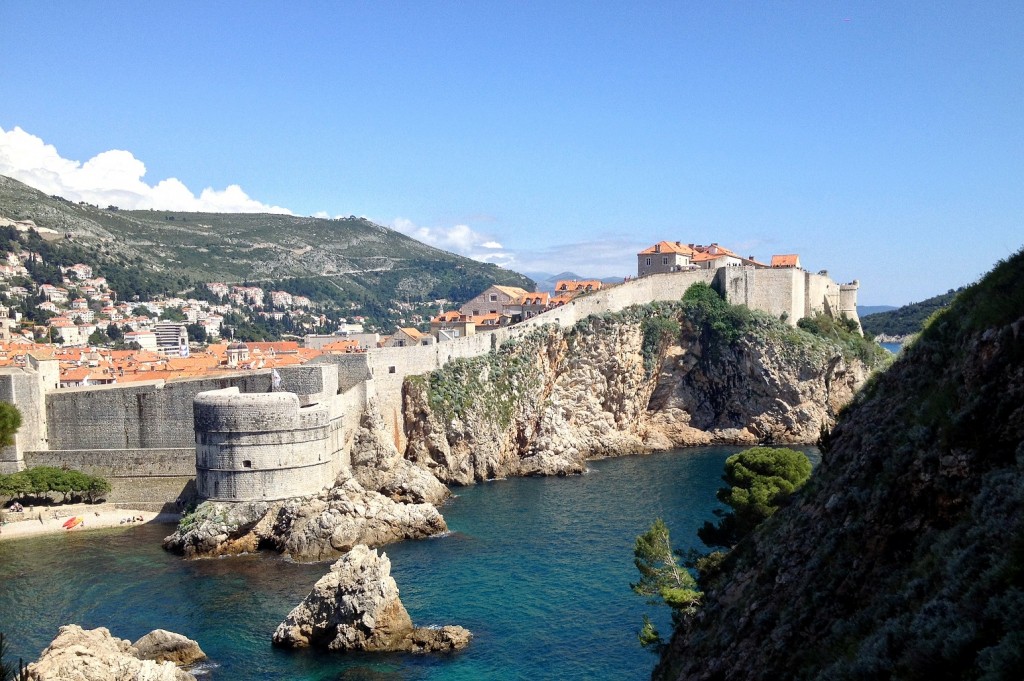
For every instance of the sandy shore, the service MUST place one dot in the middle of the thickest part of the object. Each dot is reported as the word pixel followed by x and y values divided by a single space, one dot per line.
pixel 94 517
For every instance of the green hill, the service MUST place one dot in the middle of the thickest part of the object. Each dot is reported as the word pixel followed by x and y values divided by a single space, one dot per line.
pixel 349 261
pixel 903 558
pixel 909 319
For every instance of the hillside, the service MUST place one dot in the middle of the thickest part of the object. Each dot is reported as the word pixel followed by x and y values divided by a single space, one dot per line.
pixel 354 259
pixel 904 556
pixel 906 320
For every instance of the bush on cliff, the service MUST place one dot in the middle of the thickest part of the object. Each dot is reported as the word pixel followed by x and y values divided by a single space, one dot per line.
pixel 843 332
pixel 760 480
pixel 713 315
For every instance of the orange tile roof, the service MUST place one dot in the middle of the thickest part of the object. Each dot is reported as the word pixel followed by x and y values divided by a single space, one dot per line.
pixel 538 298
pixel 790 260
pixel 449 316
pixel 668 247
pixel 342 346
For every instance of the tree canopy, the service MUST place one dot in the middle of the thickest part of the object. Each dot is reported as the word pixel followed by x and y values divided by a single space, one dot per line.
pixel 662 579
pixel 760 480
pixel 10 422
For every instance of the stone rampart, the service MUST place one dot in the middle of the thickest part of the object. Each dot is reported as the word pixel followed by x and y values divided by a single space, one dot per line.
pixel 135 415
pixel 250 443
pixel 261 446
pixel 312 383
pixel 147 479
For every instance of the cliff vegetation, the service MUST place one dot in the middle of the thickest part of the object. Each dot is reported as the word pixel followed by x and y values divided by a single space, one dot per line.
pixel 903 557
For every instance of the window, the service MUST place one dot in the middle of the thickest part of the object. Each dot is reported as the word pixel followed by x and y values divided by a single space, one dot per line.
pixel 664 260
pixel 494 297
pixel 247 464
pixel 391 370
pixel 648 262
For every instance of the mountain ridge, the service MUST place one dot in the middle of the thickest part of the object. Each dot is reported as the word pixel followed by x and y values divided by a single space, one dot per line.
pixel 360 262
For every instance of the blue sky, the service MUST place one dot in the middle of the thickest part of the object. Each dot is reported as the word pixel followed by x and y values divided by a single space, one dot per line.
pixel 880 141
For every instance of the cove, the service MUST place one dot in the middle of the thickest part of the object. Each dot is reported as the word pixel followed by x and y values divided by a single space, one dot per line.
pixel 537 568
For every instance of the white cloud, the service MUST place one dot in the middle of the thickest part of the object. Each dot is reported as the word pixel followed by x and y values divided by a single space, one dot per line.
pixel 461 239
pixel 603 257
pixel 112 178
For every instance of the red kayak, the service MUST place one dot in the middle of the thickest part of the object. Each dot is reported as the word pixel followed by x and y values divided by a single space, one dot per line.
pixel 71 522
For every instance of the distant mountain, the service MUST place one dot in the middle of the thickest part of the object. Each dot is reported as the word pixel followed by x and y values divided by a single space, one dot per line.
pixel 546 281
pixel 906 320
pixel 350 260
pixel 865 310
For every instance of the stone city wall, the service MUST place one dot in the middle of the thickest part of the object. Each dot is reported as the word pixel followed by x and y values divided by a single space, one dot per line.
pixel 254 444
pixel 134 415
pixel 146 479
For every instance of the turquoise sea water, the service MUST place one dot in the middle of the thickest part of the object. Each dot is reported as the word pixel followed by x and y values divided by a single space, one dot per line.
pixel 538 569
pixel 894 348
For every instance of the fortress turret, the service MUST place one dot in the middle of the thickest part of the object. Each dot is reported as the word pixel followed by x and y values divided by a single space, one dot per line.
pixel 260 446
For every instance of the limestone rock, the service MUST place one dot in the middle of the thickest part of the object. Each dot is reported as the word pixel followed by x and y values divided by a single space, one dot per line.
pixel 356 606
pixel 547 402
pixel 160 645
pixel 217 528
pixel 308 528
pixel 439 640
pixel 332 523
pixel 378 466
pixel 78 654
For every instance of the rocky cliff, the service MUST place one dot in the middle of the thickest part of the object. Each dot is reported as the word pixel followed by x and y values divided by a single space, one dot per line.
pixel 904 556
pixel 651 377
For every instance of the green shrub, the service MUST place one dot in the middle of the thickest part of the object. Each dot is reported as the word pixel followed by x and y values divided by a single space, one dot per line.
pixel 760 480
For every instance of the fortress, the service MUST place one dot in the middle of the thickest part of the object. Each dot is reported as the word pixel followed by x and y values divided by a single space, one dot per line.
pixel 236 438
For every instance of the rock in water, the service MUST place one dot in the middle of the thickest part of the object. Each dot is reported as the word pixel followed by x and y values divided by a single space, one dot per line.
pixel 78 654
pixel 307 528
pixel 160 645
pixel 355 606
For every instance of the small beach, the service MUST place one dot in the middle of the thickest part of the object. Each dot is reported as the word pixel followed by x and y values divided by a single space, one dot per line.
pixel 39 520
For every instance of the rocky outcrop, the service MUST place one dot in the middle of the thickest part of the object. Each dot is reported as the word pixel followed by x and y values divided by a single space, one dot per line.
pixel 648 378
pixel 378 466
pixel 902 557
pixel 78 654
pixel 308 528
pixel 333 523
pixel 161 645
pixel 355 606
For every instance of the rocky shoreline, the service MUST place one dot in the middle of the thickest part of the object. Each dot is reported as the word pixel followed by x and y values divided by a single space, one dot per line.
pixel 611 387
pixel 313 528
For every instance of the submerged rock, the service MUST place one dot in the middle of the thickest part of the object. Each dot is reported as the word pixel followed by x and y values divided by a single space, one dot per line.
pixel 355 606
pixel 307 528
pixel 78 654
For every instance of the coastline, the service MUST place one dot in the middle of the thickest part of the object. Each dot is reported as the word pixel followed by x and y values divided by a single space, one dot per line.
pixel 43 520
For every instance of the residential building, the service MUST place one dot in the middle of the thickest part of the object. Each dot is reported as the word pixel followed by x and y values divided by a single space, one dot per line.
pixel 171 339
pixel 664 256
pixel 492 301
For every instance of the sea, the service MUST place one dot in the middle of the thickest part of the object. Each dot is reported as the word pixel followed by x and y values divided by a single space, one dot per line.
pixel 537 568
pixel 894 348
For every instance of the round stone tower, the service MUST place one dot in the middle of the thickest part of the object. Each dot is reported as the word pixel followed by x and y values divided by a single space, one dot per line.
pixel 260 446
